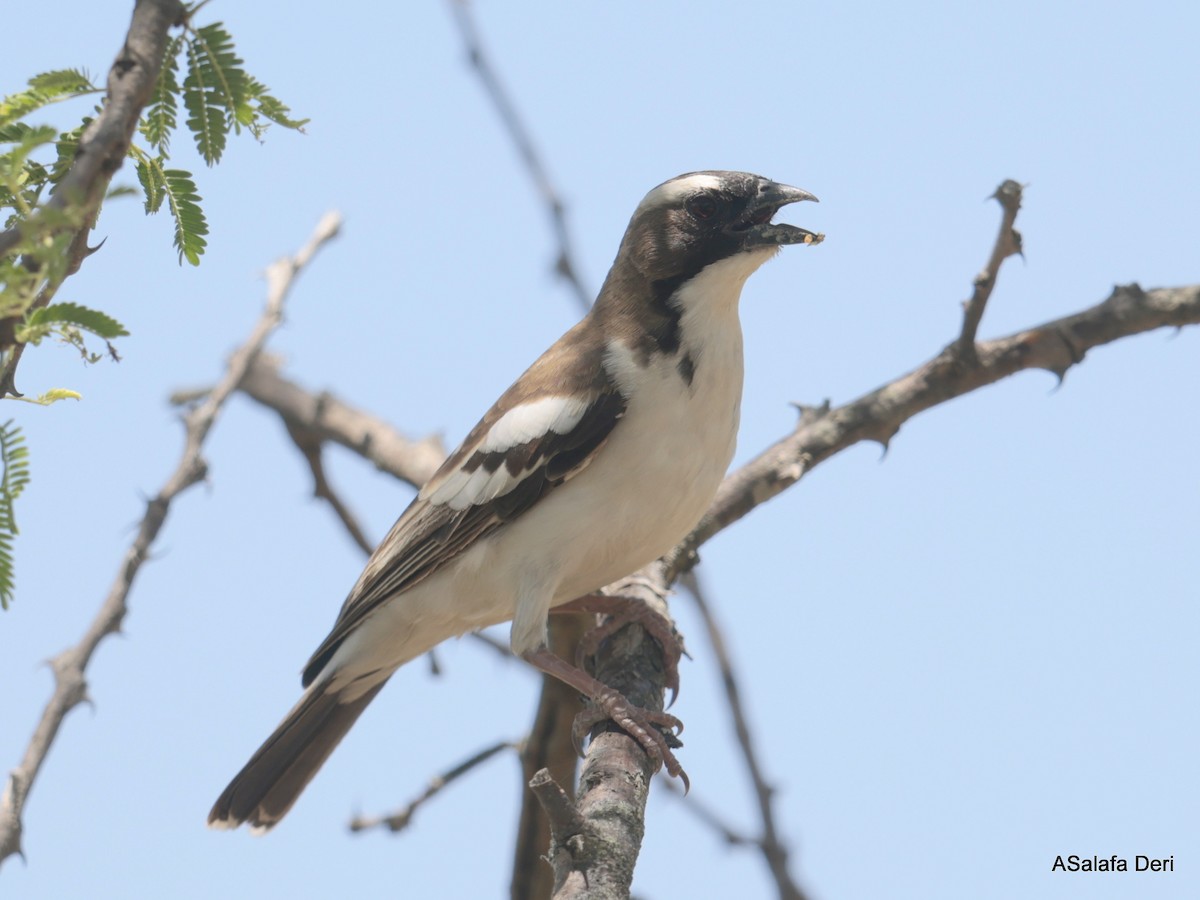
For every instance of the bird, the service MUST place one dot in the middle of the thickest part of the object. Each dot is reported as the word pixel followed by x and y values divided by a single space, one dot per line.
pixel 600 458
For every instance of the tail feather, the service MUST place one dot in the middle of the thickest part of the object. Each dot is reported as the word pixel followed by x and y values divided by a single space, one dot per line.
pixel 268 785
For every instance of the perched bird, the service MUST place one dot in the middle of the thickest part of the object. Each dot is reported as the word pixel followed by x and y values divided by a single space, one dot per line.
pixel 599 459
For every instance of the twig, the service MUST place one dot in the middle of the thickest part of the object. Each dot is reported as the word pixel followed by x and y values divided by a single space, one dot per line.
pixel 1008 243
pixel 70 666
pixel 774 851
pixel 1054 346
pixel 708 815
pixel 565 264
pixel 550 747
pixel 568 836
pixel 102 148
pixel 309 443
pixel 399 821
pixel 330 419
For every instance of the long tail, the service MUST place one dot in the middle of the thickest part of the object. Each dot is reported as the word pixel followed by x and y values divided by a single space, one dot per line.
pixel 278 772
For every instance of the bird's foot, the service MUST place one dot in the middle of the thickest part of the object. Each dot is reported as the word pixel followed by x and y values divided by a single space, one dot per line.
pixel 621 611
pixel 645 726
pixel 657 732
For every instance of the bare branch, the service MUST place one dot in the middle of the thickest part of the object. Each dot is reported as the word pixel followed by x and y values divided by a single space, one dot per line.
pixel 309 443
pixel 329 419
pixel 400 820
pixel 773 849
pixel 70 666
pixel 565 264
pixel 567 832
pixel 1054 346
pixel 549 747
pixel 1008 243
pixel 598 859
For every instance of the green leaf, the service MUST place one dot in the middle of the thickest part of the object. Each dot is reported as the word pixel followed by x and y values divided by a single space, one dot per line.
pixel 214 91
pixel 160 117
pixel 190 224
pixel 270 108
pixel 98 323
pixel 14 457
pixel 14 132
pixel 153 181
pixel 67 148
pixel 62 82
pixel 43 89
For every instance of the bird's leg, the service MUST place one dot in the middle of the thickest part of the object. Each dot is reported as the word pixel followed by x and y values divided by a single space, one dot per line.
pixel 640 724
pixel 622 611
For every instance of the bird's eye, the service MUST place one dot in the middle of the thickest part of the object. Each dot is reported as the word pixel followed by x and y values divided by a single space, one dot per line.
pixel 702 206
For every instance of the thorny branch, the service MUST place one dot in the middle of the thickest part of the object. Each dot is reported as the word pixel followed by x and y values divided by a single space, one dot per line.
pixel 773 849
pixel 102 148
pixel 1008 243
pixel 70 666
pixel 1055 346
pixel 399 821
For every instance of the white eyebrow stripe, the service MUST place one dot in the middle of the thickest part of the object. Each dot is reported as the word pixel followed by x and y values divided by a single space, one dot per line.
pixel 677 189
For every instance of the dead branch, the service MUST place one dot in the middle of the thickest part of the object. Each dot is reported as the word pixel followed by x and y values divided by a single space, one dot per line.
pixel 1055 346
pixel 398 821
pixel 773 849
pixel 565 264
pixel 70 666
pixel 329 419
pixel 1008 243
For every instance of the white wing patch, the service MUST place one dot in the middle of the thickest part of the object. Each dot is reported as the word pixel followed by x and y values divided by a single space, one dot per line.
pixel 520 425
pixel 530 421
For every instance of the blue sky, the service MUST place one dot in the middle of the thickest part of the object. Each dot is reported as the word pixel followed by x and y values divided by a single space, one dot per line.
pixel 961 660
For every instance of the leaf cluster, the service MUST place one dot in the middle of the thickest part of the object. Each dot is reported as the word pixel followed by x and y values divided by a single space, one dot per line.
pixel 14 458
pixel 201 80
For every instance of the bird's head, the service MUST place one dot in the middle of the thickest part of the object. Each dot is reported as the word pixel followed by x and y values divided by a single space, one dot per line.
pixel 697 219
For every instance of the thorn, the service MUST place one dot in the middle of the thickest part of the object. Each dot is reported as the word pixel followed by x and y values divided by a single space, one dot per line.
pixel 1060 373
pixel 88 251
pixel 885 442
pixel 809 415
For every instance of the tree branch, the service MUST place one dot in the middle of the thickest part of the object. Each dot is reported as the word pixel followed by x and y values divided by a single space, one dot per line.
pixel 1055 346
pixel 102 149
pixel 400 820
pixel 773 849
pixel 70 666
pixel 596 840
pixel 565 264
pixel 327 418
pixel 1008 243
pixel 548 748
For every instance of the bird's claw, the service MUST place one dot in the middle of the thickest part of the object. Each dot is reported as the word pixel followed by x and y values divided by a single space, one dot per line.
pixel 656 732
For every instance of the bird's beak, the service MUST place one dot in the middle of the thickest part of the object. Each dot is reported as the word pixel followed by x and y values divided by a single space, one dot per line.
pixel 760 231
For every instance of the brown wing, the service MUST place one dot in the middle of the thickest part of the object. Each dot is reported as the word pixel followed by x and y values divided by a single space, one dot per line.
pixel 430 534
